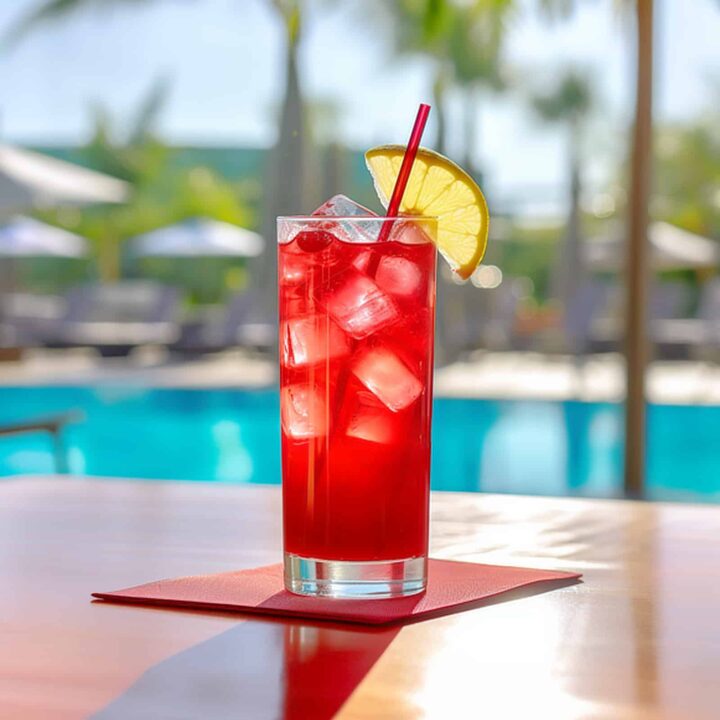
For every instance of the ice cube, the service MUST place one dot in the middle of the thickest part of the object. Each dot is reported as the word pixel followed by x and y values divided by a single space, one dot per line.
pixel 295 301
pixel 357 304
pixel 362 261
pixel 303 412
pixel 348 231
pixel 371 422
pixel 293 269
pixel 344 206
pixel 411 232
pixel 383 373
pixel 312 339
pixel 398 276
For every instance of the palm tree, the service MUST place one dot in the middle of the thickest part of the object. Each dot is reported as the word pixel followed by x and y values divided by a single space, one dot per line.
pixel 287 172
pixel 636 342
pixel 464 40
pixel 475 43
pixel 421 27
pixel 569 103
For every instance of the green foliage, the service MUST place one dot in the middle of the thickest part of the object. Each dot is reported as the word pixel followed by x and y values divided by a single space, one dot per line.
pixel 476 39
pixel 50 275
pixel 208 281
pixel 528 253
pixel 465 38
pixel 162 192
pixel 149 111
pixel 421 26
pixel 569 100
pixel 686 176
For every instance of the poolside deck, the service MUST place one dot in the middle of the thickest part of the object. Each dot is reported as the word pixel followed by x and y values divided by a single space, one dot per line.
pixel 486 375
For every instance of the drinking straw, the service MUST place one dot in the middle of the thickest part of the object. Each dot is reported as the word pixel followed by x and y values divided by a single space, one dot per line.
pixel 405 170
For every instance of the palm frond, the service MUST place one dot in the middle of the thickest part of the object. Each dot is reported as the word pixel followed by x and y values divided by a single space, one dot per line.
pixel 53 10
pixel 569 99
pixel 557 9
pixel 476 42
pixel 150 108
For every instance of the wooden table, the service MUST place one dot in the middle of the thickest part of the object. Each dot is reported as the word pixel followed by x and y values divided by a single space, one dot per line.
pixel 640 638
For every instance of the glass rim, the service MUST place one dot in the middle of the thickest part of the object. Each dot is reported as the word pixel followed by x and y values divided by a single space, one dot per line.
pixel 354 218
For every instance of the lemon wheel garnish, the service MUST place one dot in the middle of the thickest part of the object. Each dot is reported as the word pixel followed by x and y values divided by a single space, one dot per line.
pixel 437 188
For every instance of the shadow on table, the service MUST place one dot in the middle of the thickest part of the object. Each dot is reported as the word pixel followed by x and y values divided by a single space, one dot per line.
pixel 275 669
pixel 258 669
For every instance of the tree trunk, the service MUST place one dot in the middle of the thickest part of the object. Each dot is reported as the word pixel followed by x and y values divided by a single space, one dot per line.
pixel 471 133
pixel 637 273
pixel 285 186
pixel 439 88
pixel 333 175
pixel 109 259
pixel 569 269
pixel 443 319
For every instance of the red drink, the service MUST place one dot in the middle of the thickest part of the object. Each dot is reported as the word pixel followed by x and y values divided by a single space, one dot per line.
pixel 356 349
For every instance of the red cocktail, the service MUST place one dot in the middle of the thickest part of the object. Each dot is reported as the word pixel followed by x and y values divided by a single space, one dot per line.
pixel 356 360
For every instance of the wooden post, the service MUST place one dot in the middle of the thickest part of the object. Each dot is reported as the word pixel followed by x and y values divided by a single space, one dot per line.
pixel 637 271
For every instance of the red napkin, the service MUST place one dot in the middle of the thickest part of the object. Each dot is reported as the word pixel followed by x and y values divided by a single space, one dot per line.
pixel 452 586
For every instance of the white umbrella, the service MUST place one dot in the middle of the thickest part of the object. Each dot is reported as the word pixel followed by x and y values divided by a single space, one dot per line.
pixel 671 248
pixel 199 237
pixel 25 237
pixel 31 180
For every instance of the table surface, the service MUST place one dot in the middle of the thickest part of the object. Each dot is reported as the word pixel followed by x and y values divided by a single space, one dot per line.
pixel 639 638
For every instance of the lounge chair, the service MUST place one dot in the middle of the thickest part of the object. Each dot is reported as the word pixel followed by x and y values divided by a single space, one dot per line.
pixel 115 318
pixel 589 303
pixel 235 328
pixel 503 301
pixel 690 335
pixel 483 318
pixel 25 314
pixel 54 425
pixel 668 301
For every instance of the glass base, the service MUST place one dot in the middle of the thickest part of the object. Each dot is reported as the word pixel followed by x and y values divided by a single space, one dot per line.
pixel 358 580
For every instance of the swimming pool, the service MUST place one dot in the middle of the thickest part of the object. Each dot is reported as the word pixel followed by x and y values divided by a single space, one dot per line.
pixel 231 436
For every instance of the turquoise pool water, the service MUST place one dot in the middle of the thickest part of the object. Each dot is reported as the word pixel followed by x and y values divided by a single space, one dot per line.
pixel 231 436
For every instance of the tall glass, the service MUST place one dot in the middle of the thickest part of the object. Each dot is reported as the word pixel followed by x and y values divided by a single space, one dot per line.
pixel 356 360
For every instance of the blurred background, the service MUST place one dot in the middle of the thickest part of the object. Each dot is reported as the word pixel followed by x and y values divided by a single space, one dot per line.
pixel 146 147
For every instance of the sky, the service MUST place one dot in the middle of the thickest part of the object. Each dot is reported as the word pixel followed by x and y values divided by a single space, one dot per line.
pixel 224 61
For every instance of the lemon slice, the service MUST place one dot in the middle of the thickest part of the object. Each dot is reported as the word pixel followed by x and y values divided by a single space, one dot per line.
pixel 437 188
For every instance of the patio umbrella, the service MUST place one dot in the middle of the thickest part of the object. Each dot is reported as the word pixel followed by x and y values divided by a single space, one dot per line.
pixel 199 237
pixel 32 180
pixel 671 248
pixel 25 237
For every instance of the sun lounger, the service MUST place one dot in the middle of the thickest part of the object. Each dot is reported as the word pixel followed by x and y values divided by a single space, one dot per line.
pixel 235 328
pixel 54 426
pixel 582 314
pixel 668 302
pixel 691 335
pixel 115 318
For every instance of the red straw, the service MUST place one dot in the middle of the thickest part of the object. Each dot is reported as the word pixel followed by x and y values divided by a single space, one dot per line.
pixel 405 170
